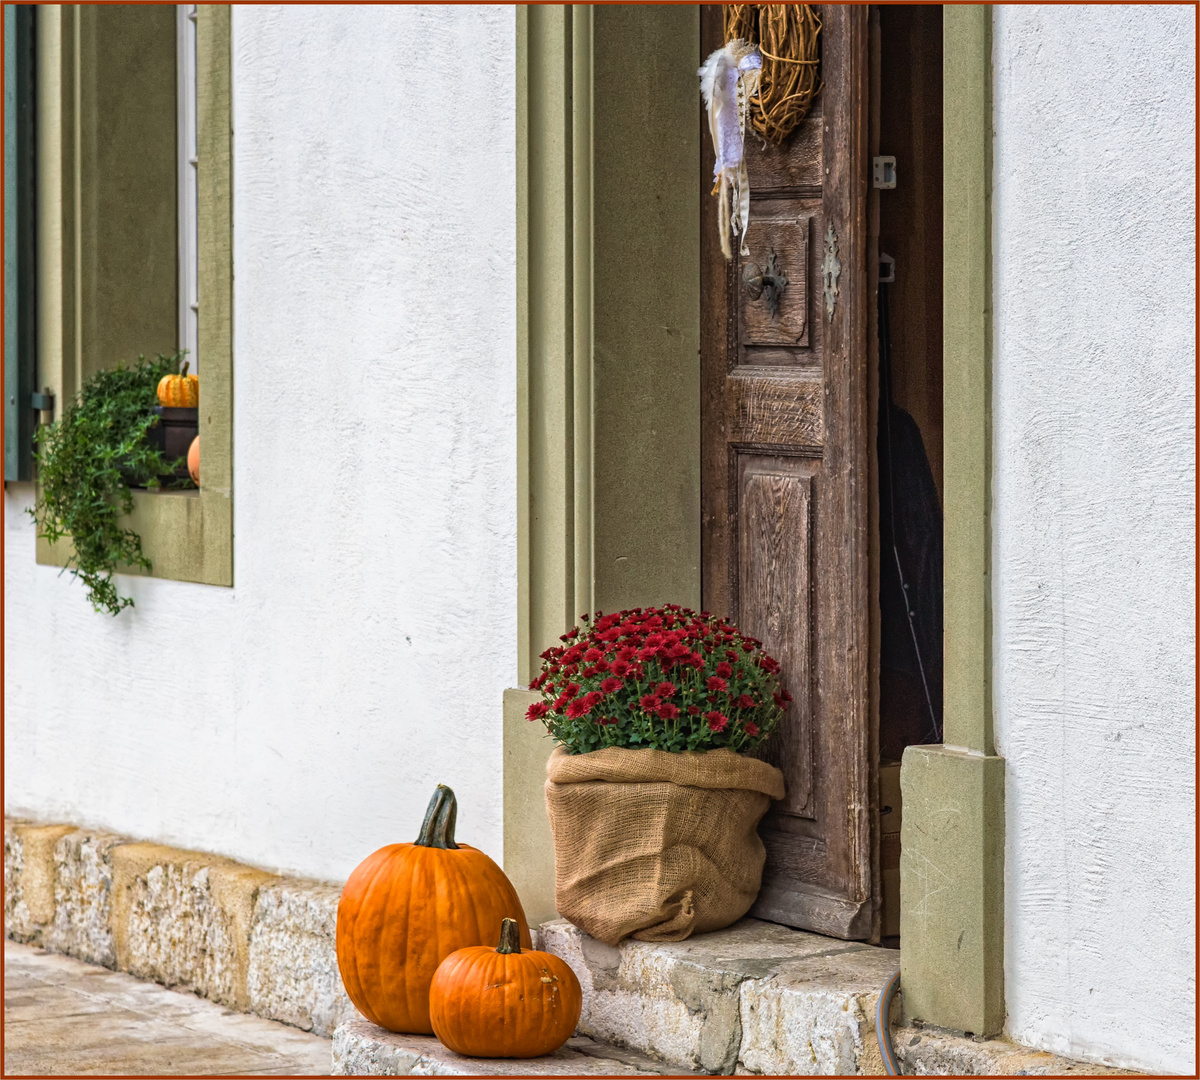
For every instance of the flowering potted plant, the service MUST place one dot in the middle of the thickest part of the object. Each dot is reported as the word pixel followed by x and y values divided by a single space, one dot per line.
pixel 652 799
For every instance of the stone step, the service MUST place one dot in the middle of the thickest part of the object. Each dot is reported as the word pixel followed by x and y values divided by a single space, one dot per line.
pixel 360 1048
pixel 758 998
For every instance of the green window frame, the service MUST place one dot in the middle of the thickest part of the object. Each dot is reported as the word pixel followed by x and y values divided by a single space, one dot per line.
pixel 187 535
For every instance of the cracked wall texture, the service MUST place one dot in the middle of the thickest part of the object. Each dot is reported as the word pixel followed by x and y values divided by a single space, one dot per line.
pixel 1094 519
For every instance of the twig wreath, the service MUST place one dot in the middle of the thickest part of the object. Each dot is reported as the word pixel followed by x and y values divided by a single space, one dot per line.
pixel 788 37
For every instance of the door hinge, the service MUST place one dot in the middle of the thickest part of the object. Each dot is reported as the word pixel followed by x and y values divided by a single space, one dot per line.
pixel 883 172
pixel 44 403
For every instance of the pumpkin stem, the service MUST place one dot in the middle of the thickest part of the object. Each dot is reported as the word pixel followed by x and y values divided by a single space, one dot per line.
pixel 183 368
pixel 510 937
pixel 437 830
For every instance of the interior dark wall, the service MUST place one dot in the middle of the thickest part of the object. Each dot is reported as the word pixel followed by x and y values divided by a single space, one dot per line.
pixel 910 230
pixel 910 216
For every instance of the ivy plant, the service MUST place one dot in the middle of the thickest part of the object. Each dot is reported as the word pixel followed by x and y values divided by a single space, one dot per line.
pixel 87 461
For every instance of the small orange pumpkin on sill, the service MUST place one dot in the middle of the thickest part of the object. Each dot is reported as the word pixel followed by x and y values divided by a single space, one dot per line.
pixel 193 460
pixel 409 906
pixel 502 1002
pixel 180 391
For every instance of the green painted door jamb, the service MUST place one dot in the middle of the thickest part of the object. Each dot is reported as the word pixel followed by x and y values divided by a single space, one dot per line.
pixel 952 842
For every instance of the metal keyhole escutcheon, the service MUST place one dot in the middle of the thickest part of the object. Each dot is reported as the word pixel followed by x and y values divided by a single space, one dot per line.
pixel 771 281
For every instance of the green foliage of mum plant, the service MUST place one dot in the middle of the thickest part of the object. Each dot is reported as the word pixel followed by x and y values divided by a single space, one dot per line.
pixel 87 461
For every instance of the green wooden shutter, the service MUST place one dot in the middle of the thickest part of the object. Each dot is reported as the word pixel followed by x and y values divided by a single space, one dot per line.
pixel 19 298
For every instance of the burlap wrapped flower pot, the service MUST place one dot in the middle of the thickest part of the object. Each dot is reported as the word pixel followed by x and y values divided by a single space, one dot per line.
pixel 657 845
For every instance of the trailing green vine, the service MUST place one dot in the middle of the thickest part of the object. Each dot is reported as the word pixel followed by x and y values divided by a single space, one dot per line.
pixel 87 461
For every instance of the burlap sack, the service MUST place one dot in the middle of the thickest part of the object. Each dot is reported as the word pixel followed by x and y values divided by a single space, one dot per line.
pixel 657 845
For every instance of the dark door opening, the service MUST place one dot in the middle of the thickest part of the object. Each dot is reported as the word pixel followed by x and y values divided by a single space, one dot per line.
pixel 906 61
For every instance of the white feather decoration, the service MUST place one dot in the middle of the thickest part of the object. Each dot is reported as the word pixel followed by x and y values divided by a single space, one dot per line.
pixel 728 80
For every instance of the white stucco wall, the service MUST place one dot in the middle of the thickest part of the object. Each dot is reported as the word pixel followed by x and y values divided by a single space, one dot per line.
pixel 1094 224
pixel 302 718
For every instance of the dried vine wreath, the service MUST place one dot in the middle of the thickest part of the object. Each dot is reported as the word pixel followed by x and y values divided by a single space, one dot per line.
pixel 787 35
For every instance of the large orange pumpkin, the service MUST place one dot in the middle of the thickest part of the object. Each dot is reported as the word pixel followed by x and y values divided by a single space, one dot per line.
pixel 180 391
pixel 502 1002
pixel 409 906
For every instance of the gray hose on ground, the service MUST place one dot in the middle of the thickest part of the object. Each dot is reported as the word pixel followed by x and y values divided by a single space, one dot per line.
pixel 883 1033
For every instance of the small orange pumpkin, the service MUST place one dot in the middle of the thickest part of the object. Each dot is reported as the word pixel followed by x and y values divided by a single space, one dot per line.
pixel 502 1002
pixel 180 391
pixel 409 906
pixel 194 459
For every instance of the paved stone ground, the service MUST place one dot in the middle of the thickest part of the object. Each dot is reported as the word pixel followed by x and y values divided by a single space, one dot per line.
pixel 65 1017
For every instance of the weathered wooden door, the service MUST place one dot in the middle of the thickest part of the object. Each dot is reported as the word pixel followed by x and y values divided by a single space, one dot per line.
pixel 785 480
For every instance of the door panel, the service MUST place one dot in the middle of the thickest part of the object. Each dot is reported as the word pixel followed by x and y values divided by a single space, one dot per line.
pixel 774 511
pixel 785 480
pixel 783 234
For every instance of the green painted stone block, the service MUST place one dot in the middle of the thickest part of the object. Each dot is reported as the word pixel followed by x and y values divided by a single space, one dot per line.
pixel 952 889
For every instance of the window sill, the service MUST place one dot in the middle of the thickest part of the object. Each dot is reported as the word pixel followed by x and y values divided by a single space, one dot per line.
pixel 186 535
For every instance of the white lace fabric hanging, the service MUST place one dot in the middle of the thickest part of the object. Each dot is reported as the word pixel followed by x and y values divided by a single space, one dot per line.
pixel 728 80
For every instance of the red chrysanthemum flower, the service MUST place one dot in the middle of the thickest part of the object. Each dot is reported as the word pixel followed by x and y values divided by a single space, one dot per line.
pixel 665 689
pixel 751 728
pixel 626 654
pixel 592 655
pixel 718 722
pixel 667 711
pixel 577 708
pixel 745 701
pixel 647 654
pixel 731 656
pixel 725 670
pixel 621 668
pixel 537 710
pixel 693 710
pixel 649 702
pixel 716 684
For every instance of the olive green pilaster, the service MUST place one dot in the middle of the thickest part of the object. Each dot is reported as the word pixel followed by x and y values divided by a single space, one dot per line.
pixel 554 385
pixel 952 843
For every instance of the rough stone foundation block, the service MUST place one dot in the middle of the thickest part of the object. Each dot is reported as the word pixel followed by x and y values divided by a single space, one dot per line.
pixel 183 919
pixel 29 878
pixel 82 924
pixel 756 997
pixel 293 974
pixel 922 1052
pixel 360 1048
